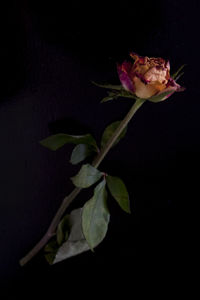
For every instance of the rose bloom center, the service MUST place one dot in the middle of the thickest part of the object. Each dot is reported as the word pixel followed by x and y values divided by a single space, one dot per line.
pixel 156 74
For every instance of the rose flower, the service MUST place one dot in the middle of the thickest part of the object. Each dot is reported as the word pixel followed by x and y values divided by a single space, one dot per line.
pixel 147 77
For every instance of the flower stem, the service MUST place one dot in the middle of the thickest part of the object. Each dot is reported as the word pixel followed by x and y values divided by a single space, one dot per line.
pixel 117 133
pixel 68 199
pixel 51 230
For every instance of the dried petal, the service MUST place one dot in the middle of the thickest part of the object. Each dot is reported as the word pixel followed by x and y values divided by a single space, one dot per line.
pixel 124 77
pixel 147 77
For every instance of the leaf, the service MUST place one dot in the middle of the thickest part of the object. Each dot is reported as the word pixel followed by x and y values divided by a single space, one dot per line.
pixel 119 192
pixel 80 153
pixel 109 131
pixel 174 76
pixel 87 176
pixel 50 257
pixel 109 86
pixel 63 230
pixel 56 141
pixel 76 242
pixel 52 246
pixel 95 216
pixel 51 249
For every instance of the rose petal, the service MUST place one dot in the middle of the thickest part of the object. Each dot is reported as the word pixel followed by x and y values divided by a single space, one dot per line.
pixel 167 65
pixel 142 78
pixel 126 66
pixel 143 90
pixel 156 74
pixel 124 77
pixel 148 77
pixel 173 83
pixel 134 55
pixel 169 92
pixel 174 87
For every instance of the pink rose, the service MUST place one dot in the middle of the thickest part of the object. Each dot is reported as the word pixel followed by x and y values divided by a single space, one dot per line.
pixel 147 77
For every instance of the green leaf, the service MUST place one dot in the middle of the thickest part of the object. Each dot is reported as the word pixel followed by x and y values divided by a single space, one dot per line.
pixel 174 76
pixel 63 230
pixel 50 257
pixel 119 192
pixel 95 216
pixel 109 86
pixel 52 246
pixel 51 249
pixel 76 242
pixel 109 131
pixel 81 152
pixel 87 176
pixel 56 141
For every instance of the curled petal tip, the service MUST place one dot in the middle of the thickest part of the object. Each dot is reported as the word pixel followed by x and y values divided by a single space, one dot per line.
pixel 134 55
pixel 167 65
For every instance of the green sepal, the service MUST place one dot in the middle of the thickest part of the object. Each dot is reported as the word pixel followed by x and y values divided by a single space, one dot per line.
pixel 126 94
pixel 176 75
pixel 109 97
pixel 161 96
pixel 115 92
pixel 113 95
pixel 109 86
pixel 179 76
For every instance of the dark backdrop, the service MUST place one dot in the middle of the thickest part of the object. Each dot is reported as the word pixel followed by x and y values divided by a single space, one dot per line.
pixel 49 52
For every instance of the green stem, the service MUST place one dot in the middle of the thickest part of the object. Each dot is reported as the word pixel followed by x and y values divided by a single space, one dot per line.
pixel 117 133
pixel 51 230
pixel 68 199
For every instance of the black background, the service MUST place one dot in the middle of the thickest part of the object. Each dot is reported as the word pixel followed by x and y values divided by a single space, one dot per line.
pixel 49 53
